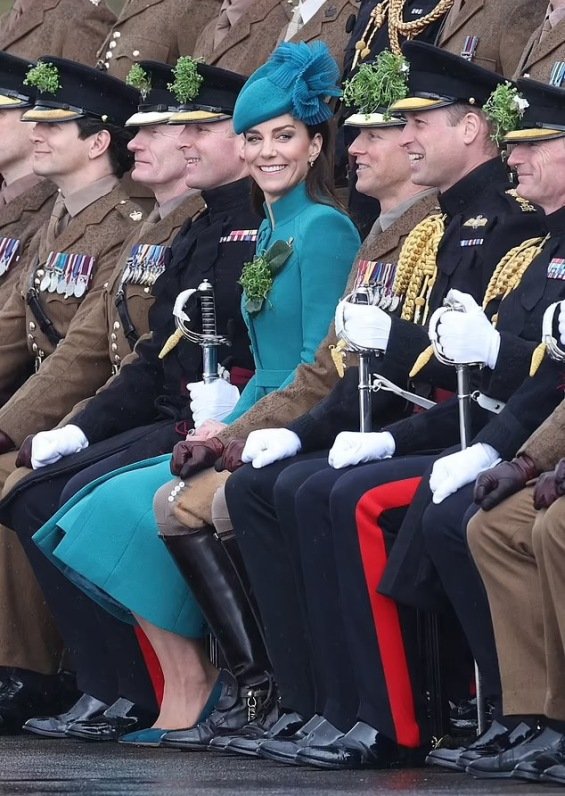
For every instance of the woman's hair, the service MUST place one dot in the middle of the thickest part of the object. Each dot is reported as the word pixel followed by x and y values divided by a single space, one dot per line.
pixel 320 177
pixel 121 159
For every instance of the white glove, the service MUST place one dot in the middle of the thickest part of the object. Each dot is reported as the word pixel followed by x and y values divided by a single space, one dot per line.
pixel 561 323
pixel 212 401
pixel 47 447
pixel 268 445
pixel 466 336
pixel 364 324
pixel 354 447
pixel 459 469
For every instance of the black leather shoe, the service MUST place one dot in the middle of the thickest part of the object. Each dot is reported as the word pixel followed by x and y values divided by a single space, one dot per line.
pixel 56 726
pixel 285 751
pixel 506 741
pixel 237 706
pixel 26 694
pixel 361 747
pixel 555 774
pixel 249 741
pixel 501 766
pixel 448 758
pixel 534 768
pixel 121 717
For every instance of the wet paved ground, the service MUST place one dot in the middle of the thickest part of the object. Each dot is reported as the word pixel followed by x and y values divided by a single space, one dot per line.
pixel 33 766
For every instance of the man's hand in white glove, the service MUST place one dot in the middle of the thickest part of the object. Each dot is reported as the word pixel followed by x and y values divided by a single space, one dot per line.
pixel 459 469
pixel 363 324
pixel 466 336
pixel 354 447
pixel 212 401
pixel 268 445
pixel 561 323
pixel 47 447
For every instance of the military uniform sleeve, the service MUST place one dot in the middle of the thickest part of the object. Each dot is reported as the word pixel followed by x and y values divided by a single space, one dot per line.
pixel 547 444
pixel 77 367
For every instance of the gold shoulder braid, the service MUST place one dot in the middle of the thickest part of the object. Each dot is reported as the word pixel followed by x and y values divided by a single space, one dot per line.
pixel 396 26
pixel 506 277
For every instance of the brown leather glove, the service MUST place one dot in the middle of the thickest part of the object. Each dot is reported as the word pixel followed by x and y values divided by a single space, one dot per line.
pixel 550 486
pixel 6 444
pixel 495 485
pixel 191 456
pixel 231 457
pixel 23 459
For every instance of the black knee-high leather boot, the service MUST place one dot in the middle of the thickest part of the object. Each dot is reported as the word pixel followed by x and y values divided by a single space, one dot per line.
pixel 212 568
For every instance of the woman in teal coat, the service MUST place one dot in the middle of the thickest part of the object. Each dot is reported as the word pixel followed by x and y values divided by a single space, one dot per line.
pixel 105 538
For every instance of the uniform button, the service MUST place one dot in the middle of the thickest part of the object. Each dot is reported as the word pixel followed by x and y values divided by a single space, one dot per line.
pixel 108 55
pixel 31 326
pixel 116 34
pixel 35 348
pixel 113 337
pixel 112 45
pixel 37 282
pixel 147 290
pixel 40 272
pixel 114 347
pixel 117 358
pixel 135 53
pixel 30 337
pixel 116 324
pixel 107 64
pixel 106 285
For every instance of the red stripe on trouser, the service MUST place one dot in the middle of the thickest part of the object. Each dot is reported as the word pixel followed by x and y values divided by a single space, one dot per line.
pixel 385 612
pixel 152 664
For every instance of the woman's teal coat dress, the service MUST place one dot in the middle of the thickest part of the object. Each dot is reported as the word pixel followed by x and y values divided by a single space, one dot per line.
pixel 105 538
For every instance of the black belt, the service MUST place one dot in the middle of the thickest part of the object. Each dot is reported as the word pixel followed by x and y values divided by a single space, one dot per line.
pixel 129 329
pixel 43 320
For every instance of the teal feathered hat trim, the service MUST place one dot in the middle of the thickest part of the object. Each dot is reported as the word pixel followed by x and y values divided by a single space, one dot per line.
pixel 299 79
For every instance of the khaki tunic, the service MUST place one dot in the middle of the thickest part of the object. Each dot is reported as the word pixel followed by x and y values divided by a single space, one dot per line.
pixel 312 383
pixel 79 364
pixel 20 219
pixel 503 28
pixel 547 444
pixel 539 58
pixel 65 28
pixel 250 42
pixel 155 30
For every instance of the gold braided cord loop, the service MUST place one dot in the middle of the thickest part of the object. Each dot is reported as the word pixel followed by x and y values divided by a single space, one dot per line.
pixel 510 270
pixel 417 269
pixel 392 10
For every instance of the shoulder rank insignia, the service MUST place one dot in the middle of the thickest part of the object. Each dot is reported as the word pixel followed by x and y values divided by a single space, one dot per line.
pixel 136 215
pixel 525 206
pixel 476 222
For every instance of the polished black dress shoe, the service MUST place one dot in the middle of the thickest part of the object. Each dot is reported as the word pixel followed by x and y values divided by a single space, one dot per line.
pixel 534 768
pixel 236 707
pixel 361 747
pixel 286 727
pixel 56 726
pixel 121 717
pixel 507 741
pixel 285 751
pixel 501 766
pixel 554 774
pixel 448 758
pixel 28 693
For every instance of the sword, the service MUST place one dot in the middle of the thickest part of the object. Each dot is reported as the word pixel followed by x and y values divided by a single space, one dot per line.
pixel 549 343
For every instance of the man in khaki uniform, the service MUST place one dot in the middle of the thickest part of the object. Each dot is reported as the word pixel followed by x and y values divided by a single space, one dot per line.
pixel 68 28
pixel 246 32
pixel 25 199
pixel 157 30
pixel 43 321
pixel 491 33
pixel 543 57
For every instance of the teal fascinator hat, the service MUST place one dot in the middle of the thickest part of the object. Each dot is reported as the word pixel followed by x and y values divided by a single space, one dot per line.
pixel 299 79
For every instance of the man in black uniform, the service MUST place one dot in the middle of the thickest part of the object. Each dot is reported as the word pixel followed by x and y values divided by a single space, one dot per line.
pixel 145 409
pixel 480 227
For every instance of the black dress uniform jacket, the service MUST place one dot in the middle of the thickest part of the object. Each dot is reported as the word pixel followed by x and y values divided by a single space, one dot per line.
pixel 484 220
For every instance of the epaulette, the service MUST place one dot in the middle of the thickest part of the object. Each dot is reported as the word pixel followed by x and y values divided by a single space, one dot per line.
pixel 525 206
pixel 129 209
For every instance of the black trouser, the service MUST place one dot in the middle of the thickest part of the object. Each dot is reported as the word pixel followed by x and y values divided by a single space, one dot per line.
pixel 296 525
pixel 104 651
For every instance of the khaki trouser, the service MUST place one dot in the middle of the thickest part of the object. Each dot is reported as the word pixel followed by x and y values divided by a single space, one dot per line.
pixel 28 636
pixel 199 502
pixel 520 553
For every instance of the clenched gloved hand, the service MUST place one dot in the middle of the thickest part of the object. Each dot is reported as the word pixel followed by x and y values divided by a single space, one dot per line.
pixel 466 336
pixel 268 445
pixel 498 483
pixel 48 447
pixel 231 458
pixel 456 470
pixel 356 447
pixel 23 459
pixel 212 401
pixel 191 456
pixel 550 486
